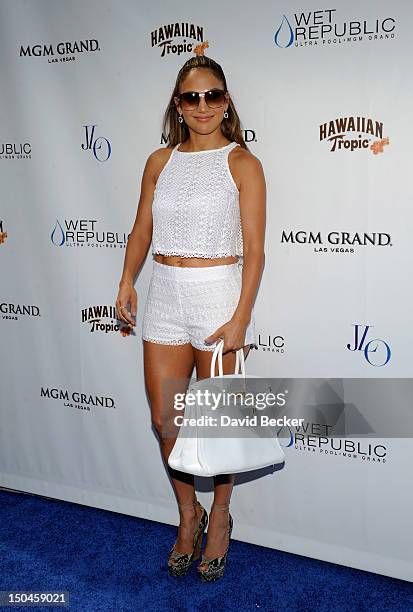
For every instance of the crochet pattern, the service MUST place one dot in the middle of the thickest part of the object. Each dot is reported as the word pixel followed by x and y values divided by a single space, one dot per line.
pixel 195 208
pixel 186 305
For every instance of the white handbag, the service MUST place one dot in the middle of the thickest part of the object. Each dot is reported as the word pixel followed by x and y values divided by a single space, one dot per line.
pixel 209 456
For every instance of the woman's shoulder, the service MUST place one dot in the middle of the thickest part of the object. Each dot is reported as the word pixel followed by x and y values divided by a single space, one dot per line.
pixel 159 155
pixel 244 159
pixel 157 160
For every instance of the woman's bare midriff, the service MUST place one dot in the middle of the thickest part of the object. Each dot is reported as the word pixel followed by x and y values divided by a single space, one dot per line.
pixel 194 262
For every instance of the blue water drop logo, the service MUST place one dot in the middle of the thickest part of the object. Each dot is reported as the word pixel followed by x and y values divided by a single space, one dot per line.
pixel 290 437
pixel 285 31
pixel 58 235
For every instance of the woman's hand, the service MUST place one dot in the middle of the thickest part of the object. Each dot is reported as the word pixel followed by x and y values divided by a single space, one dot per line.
pixel 233 334
pixel 127 295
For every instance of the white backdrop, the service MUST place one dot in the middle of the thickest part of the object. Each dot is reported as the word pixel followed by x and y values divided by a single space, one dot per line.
pixel 84 87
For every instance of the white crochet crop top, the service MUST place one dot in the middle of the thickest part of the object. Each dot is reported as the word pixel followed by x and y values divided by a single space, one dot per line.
pixel 195 209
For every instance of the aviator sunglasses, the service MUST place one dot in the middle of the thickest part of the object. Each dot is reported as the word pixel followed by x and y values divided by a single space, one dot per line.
pixel 189 100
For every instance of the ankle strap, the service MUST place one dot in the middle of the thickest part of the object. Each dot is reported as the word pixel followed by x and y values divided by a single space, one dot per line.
pixel 192 504
pixel 220 506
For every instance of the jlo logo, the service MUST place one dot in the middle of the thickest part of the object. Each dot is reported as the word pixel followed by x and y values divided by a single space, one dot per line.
pixel 100 146
pixel 376 352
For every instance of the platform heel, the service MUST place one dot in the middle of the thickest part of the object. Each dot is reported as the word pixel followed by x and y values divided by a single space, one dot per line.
pixel 180 563
pixel 210 570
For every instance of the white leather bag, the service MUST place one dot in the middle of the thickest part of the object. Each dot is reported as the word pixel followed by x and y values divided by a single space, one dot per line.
pixel 209 456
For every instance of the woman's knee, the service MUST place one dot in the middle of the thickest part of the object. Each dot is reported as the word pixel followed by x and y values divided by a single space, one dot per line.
pixel 164 426
pixel 158 424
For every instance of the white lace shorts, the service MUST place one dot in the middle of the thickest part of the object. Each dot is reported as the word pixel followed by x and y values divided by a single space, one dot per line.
pixel 188 304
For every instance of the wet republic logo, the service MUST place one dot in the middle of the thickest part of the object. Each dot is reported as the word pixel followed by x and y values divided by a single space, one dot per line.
pixel 317 438
pixel 15 150
pixel 84 232
pixel 165 38
pixel 270 343
pixel 315 28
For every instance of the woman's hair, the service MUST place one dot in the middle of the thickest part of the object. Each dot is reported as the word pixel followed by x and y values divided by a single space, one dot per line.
pixel 179 132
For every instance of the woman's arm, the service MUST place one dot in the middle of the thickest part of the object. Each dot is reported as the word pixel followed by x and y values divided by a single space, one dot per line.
pixel 253 219
pixel 140 238
pixel 252 195
pixel 141 235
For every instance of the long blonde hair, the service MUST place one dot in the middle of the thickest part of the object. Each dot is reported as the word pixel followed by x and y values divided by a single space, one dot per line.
pixel 179 132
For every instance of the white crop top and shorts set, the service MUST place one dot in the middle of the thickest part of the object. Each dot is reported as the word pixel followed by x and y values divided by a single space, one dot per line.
pixel 195 213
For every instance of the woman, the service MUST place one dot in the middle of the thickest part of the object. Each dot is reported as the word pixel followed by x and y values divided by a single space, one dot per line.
pixel 202 205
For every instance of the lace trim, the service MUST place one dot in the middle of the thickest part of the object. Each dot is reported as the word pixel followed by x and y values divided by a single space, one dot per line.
pixel 203 255
pixel 201 347
pixel 173 341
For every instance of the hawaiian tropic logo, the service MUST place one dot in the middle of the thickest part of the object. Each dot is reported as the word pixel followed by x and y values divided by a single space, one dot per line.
pixel 165 38
pixel 284 33
pixel 345 133
pixel 3 234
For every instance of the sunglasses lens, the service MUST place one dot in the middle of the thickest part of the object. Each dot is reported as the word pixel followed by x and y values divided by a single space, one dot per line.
pixel 189 100
pixel 215 98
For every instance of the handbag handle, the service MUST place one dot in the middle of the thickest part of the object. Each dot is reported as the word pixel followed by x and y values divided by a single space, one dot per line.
pixel 239 361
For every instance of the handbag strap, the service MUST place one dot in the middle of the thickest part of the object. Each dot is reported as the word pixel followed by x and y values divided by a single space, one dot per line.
pixel 217 353
pixel 239 361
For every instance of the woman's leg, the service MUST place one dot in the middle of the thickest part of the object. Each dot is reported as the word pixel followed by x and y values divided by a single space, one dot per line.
pixel 217 538
pixel 163 363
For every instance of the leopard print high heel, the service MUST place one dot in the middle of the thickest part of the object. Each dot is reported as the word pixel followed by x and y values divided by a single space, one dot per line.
pixel 179 563
pixel 213 569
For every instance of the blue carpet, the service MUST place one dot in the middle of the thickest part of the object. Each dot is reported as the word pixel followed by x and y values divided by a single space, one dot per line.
pixel 112 562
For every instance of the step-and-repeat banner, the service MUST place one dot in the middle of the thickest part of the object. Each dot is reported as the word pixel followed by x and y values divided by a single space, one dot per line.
pixel 324 98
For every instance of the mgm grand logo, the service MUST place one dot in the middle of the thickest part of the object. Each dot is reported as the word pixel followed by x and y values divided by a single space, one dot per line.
pixel 353 134
pixel 338 242
pixel 165 38
pixel 64 51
